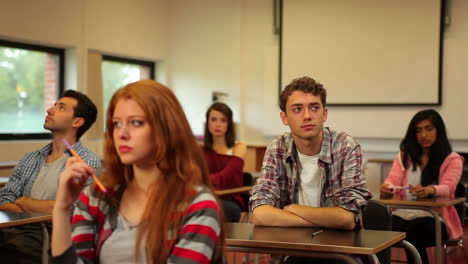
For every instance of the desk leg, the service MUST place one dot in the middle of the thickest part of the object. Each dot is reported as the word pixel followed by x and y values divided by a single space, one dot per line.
pixel 374 259
pixel 438 237
pixel 407 245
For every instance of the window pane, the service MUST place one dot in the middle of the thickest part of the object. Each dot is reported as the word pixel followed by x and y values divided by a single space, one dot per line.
pixel 116 74
pixel 29 84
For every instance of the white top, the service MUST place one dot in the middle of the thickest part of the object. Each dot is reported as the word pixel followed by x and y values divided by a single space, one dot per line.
pixel 119 247
pixel 311 181
pixel 414 178
pixel 229 152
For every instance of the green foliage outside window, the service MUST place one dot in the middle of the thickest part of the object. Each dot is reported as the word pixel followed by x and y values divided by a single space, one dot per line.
pixel 22 82
pixel 115 75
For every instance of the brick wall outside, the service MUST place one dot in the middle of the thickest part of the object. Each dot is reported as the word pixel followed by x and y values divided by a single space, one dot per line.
pixel 51 80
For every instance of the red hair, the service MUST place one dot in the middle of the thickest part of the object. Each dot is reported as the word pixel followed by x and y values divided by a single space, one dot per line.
pixel 176 154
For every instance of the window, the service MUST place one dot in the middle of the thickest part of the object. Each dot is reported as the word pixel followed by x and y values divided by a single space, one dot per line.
pixel 118 72
pixel 31 81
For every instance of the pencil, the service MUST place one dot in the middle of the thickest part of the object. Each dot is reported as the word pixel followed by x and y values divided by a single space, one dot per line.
pixel 400 187
pixel 73 152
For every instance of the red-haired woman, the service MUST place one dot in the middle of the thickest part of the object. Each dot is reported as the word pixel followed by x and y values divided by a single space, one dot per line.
pixel 225 157
pixel 158 208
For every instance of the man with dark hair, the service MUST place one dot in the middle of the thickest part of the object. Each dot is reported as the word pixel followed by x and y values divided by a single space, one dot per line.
pixel 33 184
pixel 311 175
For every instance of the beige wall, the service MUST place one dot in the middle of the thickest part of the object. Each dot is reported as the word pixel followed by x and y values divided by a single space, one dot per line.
pixel 217 45
pixel 128 28
pixel 251 81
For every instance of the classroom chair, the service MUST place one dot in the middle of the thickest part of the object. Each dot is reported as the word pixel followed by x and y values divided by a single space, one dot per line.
pixel 378 216
pixel 247 181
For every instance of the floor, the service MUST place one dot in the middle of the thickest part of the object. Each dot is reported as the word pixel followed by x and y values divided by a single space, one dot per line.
pixel 456 255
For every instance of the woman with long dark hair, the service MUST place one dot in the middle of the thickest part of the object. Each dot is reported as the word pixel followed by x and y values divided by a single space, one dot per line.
pixel 158 207
pixel 225 157
pixel 426 166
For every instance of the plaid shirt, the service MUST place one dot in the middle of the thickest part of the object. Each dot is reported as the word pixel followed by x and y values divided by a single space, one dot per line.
pixel 24 174
pixel 340 159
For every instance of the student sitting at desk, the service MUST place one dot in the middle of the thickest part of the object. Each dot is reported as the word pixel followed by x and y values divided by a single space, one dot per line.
pixel 33 184
pixel 311 175
pixel 158 207
pixel 225 157
pixel 428 167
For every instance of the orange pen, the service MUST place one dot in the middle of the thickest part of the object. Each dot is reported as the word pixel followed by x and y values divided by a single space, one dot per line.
pixel 73 152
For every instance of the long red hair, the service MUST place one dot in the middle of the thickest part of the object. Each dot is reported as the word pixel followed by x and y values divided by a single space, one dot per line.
pixel 176 154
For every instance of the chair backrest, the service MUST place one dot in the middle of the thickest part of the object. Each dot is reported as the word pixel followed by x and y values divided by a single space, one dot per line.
pixel 378 216
pixel 248 179
pixel 464 177
pixel 460 191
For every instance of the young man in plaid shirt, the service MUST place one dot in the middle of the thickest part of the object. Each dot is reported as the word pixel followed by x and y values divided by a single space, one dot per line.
pixel 33 184
pixel 311 175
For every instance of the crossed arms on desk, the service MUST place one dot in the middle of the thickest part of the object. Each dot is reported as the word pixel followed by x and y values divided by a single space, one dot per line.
pixel 29 205
pixel 301 215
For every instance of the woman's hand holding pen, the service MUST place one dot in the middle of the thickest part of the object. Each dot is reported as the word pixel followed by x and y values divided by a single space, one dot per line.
pixel 71 182
pixel 422 192
pixel 386 189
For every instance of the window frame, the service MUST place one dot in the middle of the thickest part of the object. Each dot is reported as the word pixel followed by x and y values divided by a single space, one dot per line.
pixel 61 82
pixel 149 64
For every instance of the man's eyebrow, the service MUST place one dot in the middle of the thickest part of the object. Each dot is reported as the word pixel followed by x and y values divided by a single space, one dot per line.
pixel 297 104
pixel 300 104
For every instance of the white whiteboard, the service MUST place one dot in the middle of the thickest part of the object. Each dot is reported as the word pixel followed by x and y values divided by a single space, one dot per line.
pixel 365 52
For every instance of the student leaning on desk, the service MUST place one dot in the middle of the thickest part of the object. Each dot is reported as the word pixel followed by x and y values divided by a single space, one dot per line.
pixel 157 205
pixel 33 184
pixel 311 175
pixel 428 167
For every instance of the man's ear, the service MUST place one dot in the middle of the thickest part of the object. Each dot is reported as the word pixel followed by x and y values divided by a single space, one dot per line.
pixel 325 113
pixel 284 118
pixel 78 122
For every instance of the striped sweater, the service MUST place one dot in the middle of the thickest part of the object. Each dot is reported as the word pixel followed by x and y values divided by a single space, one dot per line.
pixel 94 221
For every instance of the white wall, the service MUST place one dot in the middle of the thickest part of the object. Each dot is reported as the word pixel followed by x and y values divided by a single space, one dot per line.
pixel 257 69
pixel 129 28
pixel 205 55
pixel 220 45
pixel 226 46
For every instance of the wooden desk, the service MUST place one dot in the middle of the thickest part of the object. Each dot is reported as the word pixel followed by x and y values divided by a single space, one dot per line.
pixel 254 158
pixel 8 164
pixel 233 190
pixel 292 241
pixel 3 181
pixel 8 219
pixel 6 168
pixel 427 204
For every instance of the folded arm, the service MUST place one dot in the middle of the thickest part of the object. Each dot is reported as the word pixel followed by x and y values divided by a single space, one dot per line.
pixel 331 217
pixel 230 176
pixel 267 215
pixel 31 205
pixel 11 207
